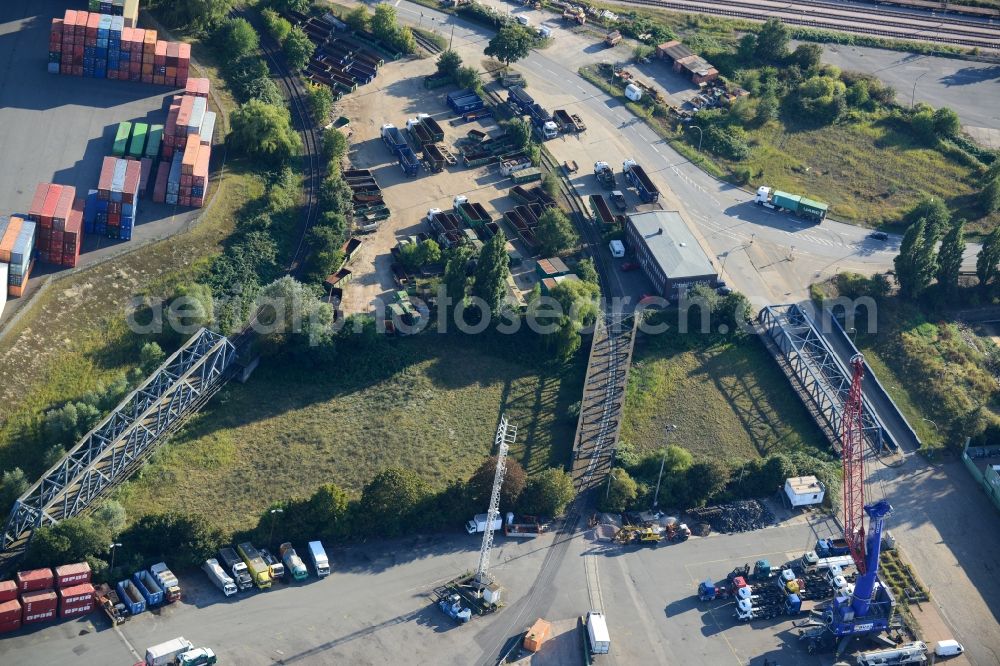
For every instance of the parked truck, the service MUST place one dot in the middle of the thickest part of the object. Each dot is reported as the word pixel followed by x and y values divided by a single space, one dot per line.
pixel 258 569
pixel 166 653
pixel 795 204
pixel 393 138
pixel 112 606
pixel 148 588
pixel 274 565
pixel 478 524
pixel 293 563
pixel 232 563
pixel 568 122
pixel 811 561
pixel 168 582
pixel 602 211
pixel 319 560
pixel 219 577
pixel 597 633
pixel 636 176
pixel 408 161
pixel 520 100
pixel 832 547
pixel 605 175
pixel 522 527
pixel 130 595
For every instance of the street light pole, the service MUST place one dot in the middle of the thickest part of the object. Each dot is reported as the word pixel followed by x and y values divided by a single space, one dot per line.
pixel 913 94
pixel 270 535
pixel 656 496
pixel 113 547
pixel 701 135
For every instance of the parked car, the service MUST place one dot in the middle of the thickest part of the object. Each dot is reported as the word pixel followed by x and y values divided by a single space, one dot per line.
pixel 629 266
pixel 948 648
pixel 724 290
pixel 879 236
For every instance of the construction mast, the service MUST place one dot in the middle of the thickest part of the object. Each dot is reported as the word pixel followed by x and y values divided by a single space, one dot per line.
pixel 506 434
pixel 853 457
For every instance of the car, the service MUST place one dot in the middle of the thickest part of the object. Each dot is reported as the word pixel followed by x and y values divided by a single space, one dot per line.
pixel 202 656
pixel 629 266
pixel 618 199
pixel 879 236
pixel 724 290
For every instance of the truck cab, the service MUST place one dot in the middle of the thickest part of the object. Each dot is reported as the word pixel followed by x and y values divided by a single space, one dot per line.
pixel 274 564
pixel 319 559
pixel 237 567
pixel 618 198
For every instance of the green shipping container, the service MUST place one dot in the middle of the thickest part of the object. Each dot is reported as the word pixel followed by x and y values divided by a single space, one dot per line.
pixel 814 209
pixel 526 175
pixel 786 200
pixel 138 143
pixel 155 136
pixel 121 139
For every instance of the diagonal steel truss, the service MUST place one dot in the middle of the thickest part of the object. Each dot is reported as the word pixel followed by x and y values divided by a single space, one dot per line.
pixel 819 371
pixel 506 434
pixel 110 452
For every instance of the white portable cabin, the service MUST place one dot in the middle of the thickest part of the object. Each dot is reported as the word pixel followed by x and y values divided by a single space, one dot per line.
pixel 633 92
pixel 804 490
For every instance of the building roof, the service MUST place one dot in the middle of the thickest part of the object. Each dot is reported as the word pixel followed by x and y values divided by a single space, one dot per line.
pixel 553 266
pixel 697 65
pixel 804 485
pixel 675 50
pixel 672 244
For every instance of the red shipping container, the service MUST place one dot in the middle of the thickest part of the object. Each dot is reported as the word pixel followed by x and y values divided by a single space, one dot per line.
pixel 7 627
pixel 147 78
pixel 35 579
pixel 8 590
pixel 69 18
pixel 63 206
pixel 38 202
pixel 160 187
pixel 10 610
pixel 197 202
pixel 158 80
pixel 132 175
pixel 185 201
pixel 49 207
pixel 184 51
pixel 39 616
pixel 93 23
pixel 113 74
pixel 77 611
pixel 40 600
pixel 69 575
pixel 75 595
pixel 107 175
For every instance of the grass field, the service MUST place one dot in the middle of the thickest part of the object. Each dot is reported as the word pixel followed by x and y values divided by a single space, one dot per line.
pixel 729 401
pixel 430 405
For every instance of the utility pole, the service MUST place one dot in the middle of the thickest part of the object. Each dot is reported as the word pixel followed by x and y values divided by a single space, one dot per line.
pixel 113 547
pixel 270 535
pixel 452 40
pixel 656 496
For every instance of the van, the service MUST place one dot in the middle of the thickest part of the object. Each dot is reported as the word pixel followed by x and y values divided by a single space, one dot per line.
pixel 948 648
pixel 522 19
pixel 617 249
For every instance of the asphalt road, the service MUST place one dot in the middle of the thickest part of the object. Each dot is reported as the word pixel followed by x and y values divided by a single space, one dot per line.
pixel 58 129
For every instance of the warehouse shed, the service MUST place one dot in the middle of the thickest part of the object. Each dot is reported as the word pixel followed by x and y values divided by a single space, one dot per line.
pixel 668 252
pixel 804 490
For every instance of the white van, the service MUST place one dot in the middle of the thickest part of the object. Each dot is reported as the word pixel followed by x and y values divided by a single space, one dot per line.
pixel 948 648
pixel 617 249
pixel 522 19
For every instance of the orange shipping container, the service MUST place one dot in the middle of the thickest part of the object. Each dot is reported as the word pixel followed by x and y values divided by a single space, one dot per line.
pixel 539 632
pixel 201 166
pixel 190 158
pixel 17 291
pixel 9 238
pixel 149 41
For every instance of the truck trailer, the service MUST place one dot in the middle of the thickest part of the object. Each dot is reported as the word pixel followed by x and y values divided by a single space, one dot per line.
pixel 258 569
pixel 795 204
pixel 129 595
pixel 597 633
pixel 166 653
pixel 636 176
pixel 232 563
pixel 293 563
pixel 148 588
pixel 393 138
pixel 219 577
pixel 318 556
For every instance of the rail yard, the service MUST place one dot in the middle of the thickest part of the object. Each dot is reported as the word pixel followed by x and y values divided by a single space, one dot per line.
pixel 375 184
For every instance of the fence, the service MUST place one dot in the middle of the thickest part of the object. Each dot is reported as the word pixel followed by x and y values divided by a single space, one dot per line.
pixel 990 479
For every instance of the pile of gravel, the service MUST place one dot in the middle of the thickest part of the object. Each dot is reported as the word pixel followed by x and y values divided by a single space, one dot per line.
pixel 741 516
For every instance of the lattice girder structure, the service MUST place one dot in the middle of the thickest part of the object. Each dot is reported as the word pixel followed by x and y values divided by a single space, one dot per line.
pixel 853 459
pixel 109 452
pixel 818 370
pixel 506 434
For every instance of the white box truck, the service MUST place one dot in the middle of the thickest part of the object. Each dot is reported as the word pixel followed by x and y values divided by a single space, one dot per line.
pixel 217 575
pixel 319 560
pixel 167 653
pixel 478 524
pixel 597 633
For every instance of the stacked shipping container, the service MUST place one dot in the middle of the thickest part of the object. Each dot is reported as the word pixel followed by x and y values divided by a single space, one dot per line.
pixel 17 241
pixel 127 9
pixel 59 219
pixel 73 596
pixel 182 177
pixel 105 46
pixel 111 209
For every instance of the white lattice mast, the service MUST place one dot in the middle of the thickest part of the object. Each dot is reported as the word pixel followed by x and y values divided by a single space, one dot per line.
pixel 506 434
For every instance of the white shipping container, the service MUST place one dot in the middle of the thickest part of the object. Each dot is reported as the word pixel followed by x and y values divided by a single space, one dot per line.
pixel 3 286
pixel 597 632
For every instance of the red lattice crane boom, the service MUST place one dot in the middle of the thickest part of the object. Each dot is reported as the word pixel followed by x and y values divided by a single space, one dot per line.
pixel 853 457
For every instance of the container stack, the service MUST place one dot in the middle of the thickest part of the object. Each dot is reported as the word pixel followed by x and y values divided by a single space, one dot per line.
pixel 42 594
pixel 38 601
pixel 10 607
pixel 127 9
pixel 17 242
pixel 59 219
pixel 110 211
pixel 182 177
pixel 76 594
pixel 101 45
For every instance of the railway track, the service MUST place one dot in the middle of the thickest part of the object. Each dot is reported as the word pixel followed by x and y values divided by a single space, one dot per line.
pixel 426 44
pixel 825 16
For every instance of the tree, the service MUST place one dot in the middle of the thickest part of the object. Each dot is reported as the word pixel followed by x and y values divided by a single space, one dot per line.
pixel 767 108
pixel 334 146
pixel 430 251
pixel 586 271
pixel 448 63
pixel 328 511
pixel 196 15
pixel 298 49
pixel 70 422
pixel 238 38
pixel 184 540
pixel 456 274
pixel 555 232
pixel 389 500
pixel 191 307
pixel 383 23
pixel 410 256
pixel 53 455
pixel 519 131
pixel 934 211
pixel 404 40
pixel 358 19
pixel 548 493
pixel 13 483
pixel 296 314
pixel 468 77
pixel 922 122
pixel 550 184
pixel 578 300
pixel 565 342
pixel 950 257
pixel 70 540
pixel 946 122
pixel 150 357
pixel 300 6
pixel 915 263
pixel 111 515
pixel 747 48
pixel 988 258
pixel 820 99
pixel 772 42
pixel 335 195
pixel 621 493
pixel 319 98
pixel 277 26
pixel 807 56
pixel 481 483
pixel 492 269
pixel 264 132
pixel 510 44
pixel 989 198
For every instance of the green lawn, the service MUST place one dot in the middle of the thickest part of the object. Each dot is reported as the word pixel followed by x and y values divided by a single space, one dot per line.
pixel 729 401
pixel 428 403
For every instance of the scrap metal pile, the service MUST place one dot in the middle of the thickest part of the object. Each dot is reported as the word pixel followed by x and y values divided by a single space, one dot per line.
pixel 741 516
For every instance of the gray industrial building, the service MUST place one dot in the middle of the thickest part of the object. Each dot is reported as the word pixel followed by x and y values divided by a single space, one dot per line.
pixel 668 252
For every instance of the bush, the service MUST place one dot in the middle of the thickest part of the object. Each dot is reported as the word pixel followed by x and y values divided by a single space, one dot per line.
pixel 730 142
pixel 298 49
pixel 238 38
pixel 389 502
pixel 264 131
pixel 621 493
pixel 548 493
pixel 319 98
pixel 186 541
pixel 514 482
pixel 277 26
